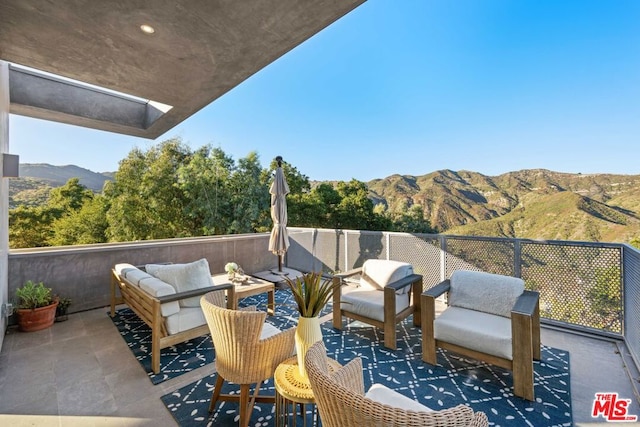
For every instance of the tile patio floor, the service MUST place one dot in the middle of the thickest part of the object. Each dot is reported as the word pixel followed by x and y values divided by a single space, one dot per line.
pixel 81 373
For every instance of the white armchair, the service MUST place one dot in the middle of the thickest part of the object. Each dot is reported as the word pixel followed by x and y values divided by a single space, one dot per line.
pixel 387 293
pixel 489 317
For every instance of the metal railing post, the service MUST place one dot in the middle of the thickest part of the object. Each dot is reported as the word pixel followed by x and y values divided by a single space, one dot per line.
pixel 443 257
pixel 346 250
pixel 517 258
pixel 388 244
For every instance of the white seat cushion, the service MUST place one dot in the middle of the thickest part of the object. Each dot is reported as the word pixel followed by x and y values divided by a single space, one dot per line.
pixel 184 277
pixel 386 396
pixel 157 288
pixel 122 268
pixel 187 318
pixel 370 304
pixel 268 330
pixel 491 293
pixel 476 330
pixel 135 275
pixel 378 273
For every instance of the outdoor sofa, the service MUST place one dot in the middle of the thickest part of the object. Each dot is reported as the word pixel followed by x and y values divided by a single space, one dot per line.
pixel 167 301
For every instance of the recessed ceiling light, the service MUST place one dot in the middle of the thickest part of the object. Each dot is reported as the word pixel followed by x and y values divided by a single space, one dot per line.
pixel 148 29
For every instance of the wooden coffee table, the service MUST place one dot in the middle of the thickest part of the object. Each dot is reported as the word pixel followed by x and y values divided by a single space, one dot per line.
pixel 252 286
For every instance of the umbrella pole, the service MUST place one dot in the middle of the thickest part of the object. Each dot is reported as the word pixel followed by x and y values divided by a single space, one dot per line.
pixel 280 263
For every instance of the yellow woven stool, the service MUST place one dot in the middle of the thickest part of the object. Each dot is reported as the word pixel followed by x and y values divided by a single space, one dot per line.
pixel 292 389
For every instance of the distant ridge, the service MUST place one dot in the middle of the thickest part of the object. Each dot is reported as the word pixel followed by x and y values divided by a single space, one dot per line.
pixel 533 203
pixel 536 203
pixel 56 176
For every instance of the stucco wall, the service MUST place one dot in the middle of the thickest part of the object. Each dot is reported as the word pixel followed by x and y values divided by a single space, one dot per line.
pixel 82 273
pixel 4 191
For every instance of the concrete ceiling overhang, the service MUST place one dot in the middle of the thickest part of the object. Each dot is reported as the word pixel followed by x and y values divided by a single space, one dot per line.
pixel 200 50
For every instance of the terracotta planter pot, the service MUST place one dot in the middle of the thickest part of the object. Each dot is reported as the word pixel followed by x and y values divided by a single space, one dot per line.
pixel 36 319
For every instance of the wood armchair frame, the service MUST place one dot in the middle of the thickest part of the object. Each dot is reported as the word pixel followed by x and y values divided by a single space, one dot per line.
pixel 525 338
pixel 390 316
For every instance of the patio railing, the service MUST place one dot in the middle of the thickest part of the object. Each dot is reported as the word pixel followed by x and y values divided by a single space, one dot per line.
pixel 588 286
pixel 591 287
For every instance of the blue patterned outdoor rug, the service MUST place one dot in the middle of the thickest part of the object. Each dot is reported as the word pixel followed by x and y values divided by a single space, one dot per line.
pixel 454 381
pixel 192 354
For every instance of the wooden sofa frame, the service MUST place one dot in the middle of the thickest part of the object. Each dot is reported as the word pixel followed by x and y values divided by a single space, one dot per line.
pixel 390 316
pixel 147 307
pixel 525 338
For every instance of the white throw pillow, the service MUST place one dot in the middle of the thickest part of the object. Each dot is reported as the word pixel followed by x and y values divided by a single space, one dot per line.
pixel 184 277
pixel 490 293
pixel 378 273
pixel 387 396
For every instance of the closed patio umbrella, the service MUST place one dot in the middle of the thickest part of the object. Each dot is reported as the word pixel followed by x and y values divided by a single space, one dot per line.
pixel 279 241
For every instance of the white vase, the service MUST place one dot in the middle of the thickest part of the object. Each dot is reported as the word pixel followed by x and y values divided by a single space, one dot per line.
pixel 308 332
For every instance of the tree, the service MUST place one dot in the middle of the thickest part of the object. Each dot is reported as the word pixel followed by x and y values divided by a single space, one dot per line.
pixel 605 298
pixel 320 206
pixel 205 183
pixel 70 197
pixel 146 199
pixel 85 226
pixel 249 196
pixel 411 220
pixel 355 210
pixel 30 227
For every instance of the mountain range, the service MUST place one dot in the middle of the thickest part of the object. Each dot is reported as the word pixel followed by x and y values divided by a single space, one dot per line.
pixel 534 203
pixel 36 179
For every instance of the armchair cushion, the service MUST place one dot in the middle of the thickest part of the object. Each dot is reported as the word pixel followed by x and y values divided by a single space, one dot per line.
pixel 188 318
pixel 377 273
pixel 157 288
pixel 184 277
pixel 480 331
pixel 370 303
pixel 135 276
pixel 386 396
pixel 486 292
pixel 268 330
pixel 123 268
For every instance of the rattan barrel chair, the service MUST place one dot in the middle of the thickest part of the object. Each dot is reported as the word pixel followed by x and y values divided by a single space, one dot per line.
pixel 248 350
pixel 342 401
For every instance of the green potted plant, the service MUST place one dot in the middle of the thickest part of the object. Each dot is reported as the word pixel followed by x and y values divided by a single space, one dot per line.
pixel 61 309
pixel 35 307
pixel 311 294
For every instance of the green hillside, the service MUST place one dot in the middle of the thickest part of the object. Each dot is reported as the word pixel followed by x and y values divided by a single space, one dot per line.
pixel 536 204
pixel 37 179
pixel 559 216
pixel 56 176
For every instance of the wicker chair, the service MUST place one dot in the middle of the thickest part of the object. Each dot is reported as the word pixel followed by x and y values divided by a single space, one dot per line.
pixel 342 401
pixel 248 350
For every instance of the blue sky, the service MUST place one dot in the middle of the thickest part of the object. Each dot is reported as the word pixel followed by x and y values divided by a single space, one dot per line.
pixel 415 86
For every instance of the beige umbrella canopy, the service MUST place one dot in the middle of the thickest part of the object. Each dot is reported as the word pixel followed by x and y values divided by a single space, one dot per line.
pixel 279 241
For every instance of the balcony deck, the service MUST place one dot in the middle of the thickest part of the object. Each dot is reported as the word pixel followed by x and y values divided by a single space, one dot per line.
pixel 80 372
